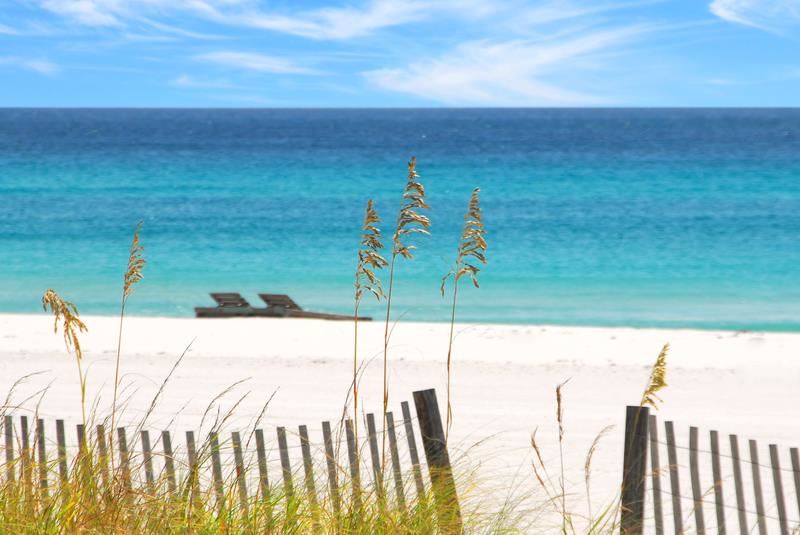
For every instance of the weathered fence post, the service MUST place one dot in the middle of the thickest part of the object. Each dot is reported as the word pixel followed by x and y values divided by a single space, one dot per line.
pixel 395 454
pixel 412 452
pixel 762 521
pixel 796 473
pixel 308 471
pixel 330 458
pixel 169 462
pixel 377 465
pixel 61 440
pixel 674 477
pixel 737 480
pixel 124 458
pixel 8 429
pixel 147 458
pixel 261 453
pixel 697 491
pixel 355 468
pixel 40 446
pixel 216 469
pixel 716 470
pixel 286 466
pixel 778 483
pixel 433 441
pixel 634 471
pixel 655 476
pixel 241 477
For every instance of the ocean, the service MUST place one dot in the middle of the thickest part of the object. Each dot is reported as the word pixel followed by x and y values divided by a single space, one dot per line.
pixel 607 217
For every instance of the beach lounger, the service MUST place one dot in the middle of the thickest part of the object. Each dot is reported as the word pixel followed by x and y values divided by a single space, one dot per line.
pixel 283 306
pixel 229 305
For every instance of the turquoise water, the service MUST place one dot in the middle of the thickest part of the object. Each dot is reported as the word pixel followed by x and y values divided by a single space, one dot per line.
pixel 596 217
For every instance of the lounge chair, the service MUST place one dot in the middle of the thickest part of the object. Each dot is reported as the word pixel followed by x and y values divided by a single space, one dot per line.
pixel 283 306
pixel 229 305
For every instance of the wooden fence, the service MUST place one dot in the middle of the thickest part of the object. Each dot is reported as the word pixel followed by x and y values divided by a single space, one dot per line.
pixel 732 489
pixel 26 449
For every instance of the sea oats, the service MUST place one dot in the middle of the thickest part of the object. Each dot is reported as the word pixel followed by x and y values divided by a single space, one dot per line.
pixel 657 380
pixel 471 250
pixel 369 261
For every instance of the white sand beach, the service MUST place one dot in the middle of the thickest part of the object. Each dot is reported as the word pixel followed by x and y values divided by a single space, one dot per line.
pixel 503 382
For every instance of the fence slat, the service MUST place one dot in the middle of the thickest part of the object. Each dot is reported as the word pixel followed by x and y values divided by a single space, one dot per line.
pixel 355 469
pixel 216 469
pixel 778 484
pixel 395 455
pixel 655 475
pixel 416 469
pixel 8 431
pixel 103 457
pixel 194 466
pixel 124 458
pixel 288 485
pixel 377 471
pixel 25 451
pixel 737 479
pixel 674 479
pixel 716 470
pixel 41 447
pixel 61 441
pixel 169 462
pixel 441 473
pixel 796 473
pixel 697 491
pixel 330 458
pixel 147 457
pixel 308 469
pixel 261 453
pixel 634 471
pixel 238 459
pixel 762 524
pixel 81 432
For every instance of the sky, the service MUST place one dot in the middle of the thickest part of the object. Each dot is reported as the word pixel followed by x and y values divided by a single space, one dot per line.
pixel 399 53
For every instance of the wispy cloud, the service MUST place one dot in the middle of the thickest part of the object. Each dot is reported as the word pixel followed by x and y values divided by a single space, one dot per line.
pixel 8 30
pixel 254 62
pixel 515 72
pixel 324 23
pixel 191 82
pixel 88 12
pixel 768 15
pixel 40 66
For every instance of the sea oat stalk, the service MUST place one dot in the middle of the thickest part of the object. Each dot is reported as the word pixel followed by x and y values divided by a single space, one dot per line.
pixel 657 380
pixel 133 274
pixel 471 250
pixel 409 221
pixel 71 324
pixel 369 261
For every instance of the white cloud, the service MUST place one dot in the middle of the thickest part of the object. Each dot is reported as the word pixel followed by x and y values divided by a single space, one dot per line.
pixel 40 66
pixel 88 12
pixel 341 22
pixel 768 15
pixel 184 80
pixel 8 30
pixel 512 72
pixel 254 62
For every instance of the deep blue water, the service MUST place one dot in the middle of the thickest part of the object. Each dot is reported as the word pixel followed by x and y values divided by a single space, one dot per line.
pixel 601 217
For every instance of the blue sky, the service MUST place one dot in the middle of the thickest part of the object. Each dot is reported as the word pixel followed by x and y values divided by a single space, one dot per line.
pixel 262 53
